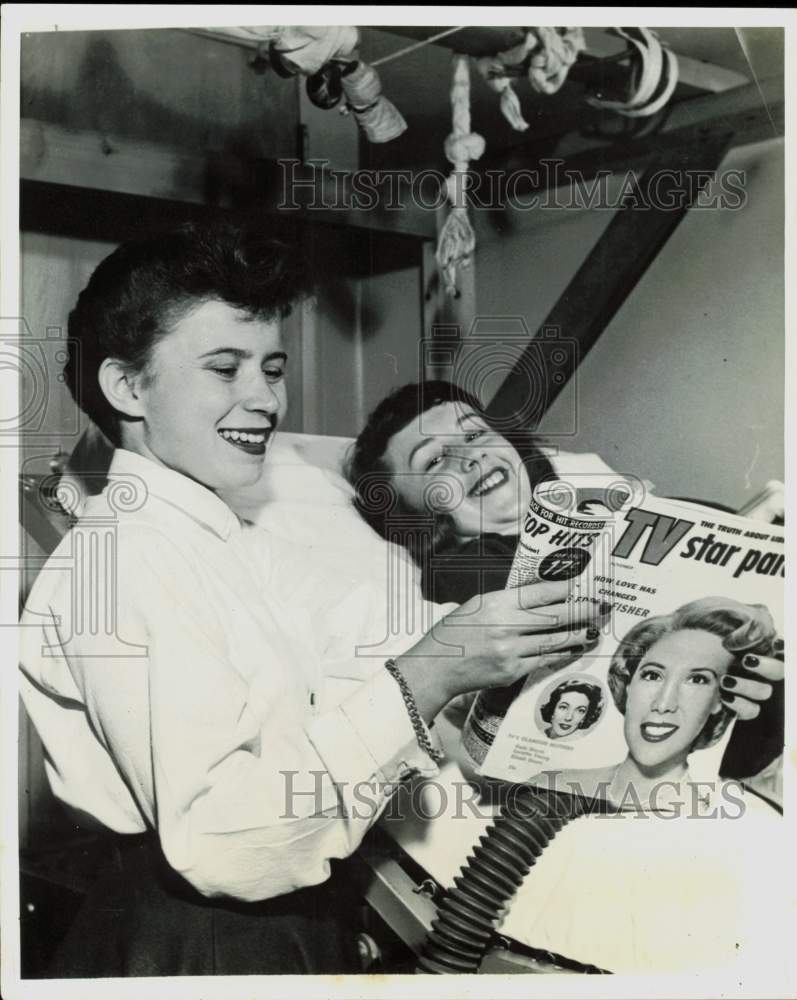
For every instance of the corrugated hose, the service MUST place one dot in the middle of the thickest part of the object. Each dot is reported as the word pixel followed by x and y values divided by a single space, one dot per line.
pixel 468 913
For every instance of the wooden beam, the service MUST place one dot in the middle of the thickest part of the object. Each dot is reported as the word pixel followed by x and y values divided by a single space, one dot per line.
pixel 693 73
pixel 333 196
pixel 750 102
pixel 107 216
pixel 607 277
pixel 162 86
pixel 749 114
pixel 482 41
pixel 86 159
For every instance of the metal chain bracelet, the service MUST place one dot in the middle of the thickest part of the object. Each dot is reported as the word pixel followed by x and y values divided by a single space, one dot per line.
pixel 421 732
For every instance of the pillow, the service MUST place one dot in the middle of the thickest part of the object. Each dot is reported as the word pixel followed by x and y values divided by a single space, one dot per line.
pixel 301 468
pixel 303 496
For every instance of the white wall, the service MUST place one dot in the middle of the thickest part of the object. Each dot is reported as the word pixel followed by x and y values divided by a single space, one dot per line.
pixel 685 386
pixel 367 334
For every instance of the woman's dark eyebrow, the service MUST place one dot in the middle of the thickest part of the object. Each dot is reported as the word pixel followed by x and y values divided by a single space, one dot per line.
pixel 419 446
pixel 235 351
pixel 433 437
pixel 243 355
pixel 663 666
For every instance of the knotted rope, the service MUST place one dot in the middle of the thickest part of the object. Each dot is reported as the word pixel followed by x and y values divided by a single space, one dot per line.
pixel 493 69
pixel 550 66
pixel 555 50
pixel 457 240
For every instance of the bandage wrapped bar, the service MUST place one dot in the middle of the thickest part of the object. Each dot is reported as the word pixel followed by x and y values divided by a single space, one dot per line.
pixel 457 240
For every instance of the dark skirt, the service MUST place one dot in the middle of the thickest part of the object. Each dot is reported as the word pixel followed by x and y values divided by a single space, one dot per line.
pixel 142 919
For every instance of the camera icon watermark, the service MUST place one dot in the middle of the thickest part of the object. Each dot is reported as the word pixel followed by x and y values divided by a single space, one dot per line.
pixel 27 389
pixel 498 357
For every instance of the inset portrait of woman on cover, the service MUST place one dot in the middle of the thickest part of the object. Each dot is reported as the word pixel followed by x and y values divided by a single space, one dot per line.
pixel 571 708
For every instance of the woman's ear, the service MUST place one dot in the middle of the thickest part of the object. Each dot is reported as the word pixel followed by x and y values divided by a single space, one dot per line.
pixel 120 387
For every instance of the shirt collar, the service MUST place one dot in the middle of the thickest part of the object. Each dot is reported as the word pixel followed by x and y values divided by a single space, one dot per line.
pixel 177 490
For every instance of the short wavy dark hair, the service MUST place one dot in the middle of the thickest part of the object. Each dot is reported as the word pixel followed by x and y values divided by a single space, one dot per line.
pixel 592 692
pixel 742 628
pixel 375 495
pixel 146 285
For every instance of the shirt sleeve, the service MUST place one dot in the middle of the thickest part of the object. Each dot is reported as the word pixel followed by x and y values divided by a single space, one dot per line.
pixel 250 800
pixel 360 623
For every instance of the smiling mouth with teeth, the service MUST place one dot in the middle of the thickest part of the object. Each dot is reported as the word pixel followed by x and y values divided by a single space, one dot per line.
pixel 252 441
pixel 489 482
pixel 655 732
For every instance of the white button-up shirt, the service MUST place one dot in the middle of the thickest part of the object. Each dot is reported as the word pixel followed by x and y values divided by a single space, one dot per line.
pixel 194 674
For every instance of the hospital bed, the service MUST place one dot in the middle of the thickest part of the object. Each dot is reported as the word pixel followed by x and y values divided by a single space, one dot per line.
pixel 621 896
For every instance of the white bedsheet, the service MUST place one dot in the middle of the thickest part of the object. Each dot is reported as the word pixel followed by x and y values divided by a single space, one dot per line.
pixel 630 894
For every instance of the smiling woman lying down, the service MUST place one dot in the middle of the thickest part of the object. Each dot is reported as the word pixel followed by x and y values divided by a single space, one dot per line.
pixel 430 461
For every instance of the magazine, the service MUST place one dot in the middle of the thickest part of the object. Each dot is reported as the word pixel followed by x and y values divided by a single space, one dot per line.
pixel 675 574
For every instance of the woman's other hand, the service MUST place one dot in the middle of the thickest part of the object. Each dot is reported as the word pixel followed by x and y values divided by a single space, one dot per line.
pixel 758 665
pixel 750 682
pixel 494 639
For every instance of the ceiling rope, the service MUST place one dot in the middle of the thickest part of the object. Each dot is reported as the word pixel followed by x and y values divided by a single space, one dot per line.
pixel 416 45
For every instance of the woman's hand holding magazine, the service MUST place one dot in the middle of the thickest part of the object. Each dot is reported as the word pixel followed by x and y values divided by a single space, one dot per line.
pixel 495 639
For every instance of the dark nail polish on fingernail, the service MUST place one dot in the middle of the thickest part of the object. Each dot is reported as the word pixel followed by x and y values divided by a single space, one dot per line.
pixel 777 645
pixel 726 695
pixel 593 633
pixel 750 661
pixel 605 608
pixel 728 682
